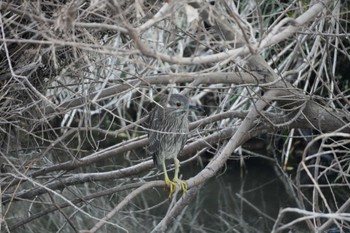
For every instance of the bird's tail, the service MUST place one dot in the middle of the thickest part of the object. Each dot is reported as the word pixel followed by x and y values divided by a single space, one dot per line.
pixel 156 160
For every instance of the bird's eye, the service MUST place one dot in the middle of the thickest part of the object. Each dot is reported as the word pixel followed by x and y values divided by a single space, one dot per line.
pixel 178 104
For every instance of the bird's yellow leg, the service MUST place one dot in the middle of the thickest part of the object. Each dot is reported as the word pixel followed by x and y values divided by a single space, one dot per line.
pixel 168 182
pixel 176 179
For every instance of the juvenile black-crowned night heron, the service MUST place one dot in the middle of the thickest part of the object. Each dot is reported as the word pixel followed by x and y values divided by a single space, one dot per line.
pixel 167 133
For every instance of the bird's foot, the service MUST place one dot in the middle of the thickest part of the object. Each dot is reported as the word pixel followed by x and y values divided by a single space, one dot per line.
pixel 182 184
pixel 171 185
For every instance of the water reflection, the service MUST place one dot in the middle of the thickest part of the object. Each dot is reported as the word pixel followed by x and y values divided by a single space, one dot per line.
pixel 230 202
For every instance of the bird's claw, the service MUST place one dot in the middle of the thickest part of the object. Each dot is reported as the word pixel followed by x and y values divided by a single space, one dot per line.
pixel 172 185
pixel 183 185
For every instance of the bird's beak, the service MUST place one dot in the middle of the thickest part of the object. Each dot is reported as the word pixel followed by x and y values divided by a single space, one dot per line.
pixel 196 108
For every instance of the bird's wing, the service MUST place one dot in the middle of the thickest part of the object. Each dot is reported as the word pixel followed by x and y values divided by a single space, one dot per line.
pixel 183 143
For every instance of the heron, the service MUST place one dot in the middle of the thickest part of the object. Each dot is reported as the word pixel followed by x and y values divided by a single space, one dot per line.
pixel 168 129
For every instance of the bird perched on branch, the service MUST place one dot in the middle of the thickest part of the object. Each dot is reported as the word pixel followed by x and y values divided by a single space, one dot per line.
pixel 167 133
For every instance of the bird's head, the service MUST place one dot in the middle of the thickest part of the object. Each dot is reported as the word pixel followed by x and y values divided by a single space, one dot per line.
pixel 178 103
